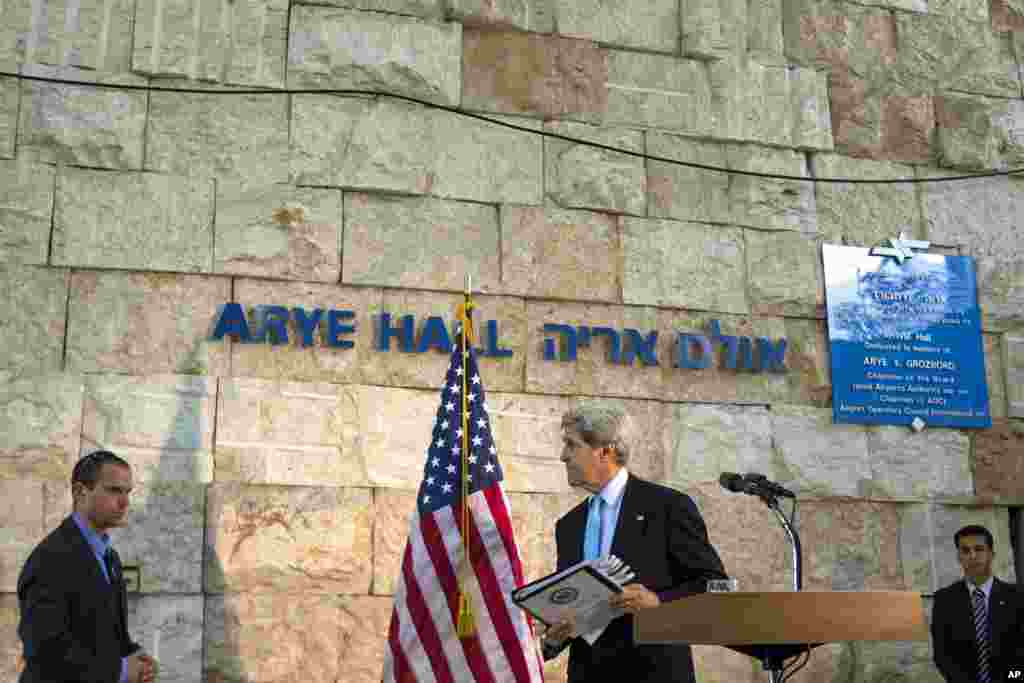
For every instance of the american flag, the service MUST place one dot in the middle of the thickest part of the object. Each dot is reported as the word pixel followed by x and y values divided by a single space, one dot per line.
pixel 423 645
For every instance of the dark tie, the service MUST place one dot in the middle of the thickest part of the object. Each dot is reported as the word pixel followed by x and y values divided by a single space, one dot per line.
pixel 981 635
pixel 108 561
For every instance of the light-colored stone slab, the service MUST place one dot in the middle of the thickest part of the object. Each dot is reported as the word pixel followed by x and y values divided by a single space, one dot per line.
pixel 926 543
pixel 560 253
pixel 243 44
pixel 22 509
pixel 142 221
pixel 979 133
pixel 752 101
pixel 1013 347
pixel 26 207
pixel 273 636
pixel 998 463
pixel 163 536
pixel 11 661
pixel 839 35
pixel 294 539
pixel 812 115
pixel 293 361
pixel 415 8
pixel 289 434
pixel 676 191
pixel 34 306
pixel 170 628
pixel 579 176
pixel 878 661
pixel 144 323
pixel 401 147
pixel 527 433
pixel 934 463
pixel 537 16
pixel 420 243
pixel 816 457
pixel 865 214
pixel 278 231
pixel 653 25
pixel 764 39
pixel 9 96
pixel 162 424
pixel 668 263
pixel 347 49
pixel 783 274
pixel 654 91
pixel 767 203
pixel 706 440
pixel 40 426
pixel 592 373
pixel 81 125
pixel 241 139
pixel 714 29
pixel 995 376
pixel 394 510
pixel 982 216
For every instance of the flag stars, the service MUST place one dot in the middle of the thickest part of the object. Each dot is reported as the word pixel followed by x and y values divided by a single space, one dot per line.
pixel 458 371
pixel 455 449
pixel 440 443
pixel 476 379
pixel 447 488
pixel 472 397
pixel 449 406
pixel 430 481
pixel 444 425
pixel 472 460
pixel 477 440
pixel 492 450
pixel 489 467
pixel 481 423
pixel 435 462
pixel 451 469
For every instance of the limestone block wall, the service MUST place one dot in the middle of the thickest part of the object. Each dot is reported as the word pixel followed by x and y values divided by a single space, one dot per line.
pixel 275 483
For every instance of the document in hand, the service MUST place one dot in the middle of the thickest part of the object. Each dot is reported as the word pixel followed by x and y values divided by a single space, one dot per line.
pixel 580 593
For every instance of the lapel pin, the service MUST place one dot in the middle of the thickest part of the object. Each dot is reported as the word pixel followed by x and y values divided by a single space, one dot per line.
pixel 639 518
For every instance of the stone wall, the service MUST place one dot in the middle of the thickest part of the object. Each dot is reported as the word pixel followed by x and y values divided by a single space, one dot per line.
pixel 275 483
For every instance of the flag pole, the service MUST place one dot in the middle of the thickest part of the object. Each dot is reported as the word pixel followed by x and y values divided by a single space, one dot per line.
pixel 466 626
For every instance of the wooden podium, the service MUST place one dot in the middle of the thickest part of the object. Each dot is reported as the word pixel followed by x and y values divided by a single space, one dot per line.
pixel 774 626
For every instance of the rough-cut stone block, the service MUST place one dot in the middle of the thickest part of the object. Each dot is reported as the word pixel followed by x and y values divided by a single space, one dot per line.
pixel 714 29
pixel 536 16
pixel 393 511
pixel 863 214
pixel 242 44
pixel 652 25
pixel 782 274
pixel 892 660
pixel 142 221
pixel 279 231
pixel 415 8
pixel 274 539
pixel 706 440
pixel 767 203
pixel 40 423
pixel 394 431
pixel 22 511
pixel 714 664
pixel 241 138
pixel 653 91
pixel 999 462
pixel 402 147
pixel 33 307
pixel 839 35
pixel 273 637
pixel 668 263
pixel 339 48
pixel 995 376
pixel 593 372
pixel 816 457
pixel 144 323
pixel 580 176
pixel 930 464
pixel 164 536
pixel 676 191
pixel 81 125
pixel 926 543
pixel 527 432
pixel 752 102
pixel 289 434
pixel 529 73
pixel 764 39
pixel 9 95
pixel 364 628
pixel 1013 348
pixel 170 628
pixel 980 133
pixel 560 254
pixel 648 430
pixel 26 205
pixel 11 661
pixel 319 362
pixel 162 425
pixel 395 367
pixel 981 216
pixel 812 118
pixel 851 545
pixel 420 243
pixel 1007 15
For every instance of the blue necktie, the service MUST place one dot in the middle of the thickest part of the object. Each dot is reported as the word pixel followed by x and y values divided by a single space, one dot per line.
pixel 592 535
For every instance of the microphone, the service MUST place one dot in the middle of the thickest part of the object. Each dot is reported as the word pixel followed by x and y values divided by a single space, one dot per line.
pixel 753 484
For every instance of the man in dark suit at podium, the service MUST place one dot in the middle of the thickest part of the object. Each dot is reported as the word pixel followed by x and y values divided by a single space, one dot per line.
pixel 978 623
pixel 656 530
pixel 71 592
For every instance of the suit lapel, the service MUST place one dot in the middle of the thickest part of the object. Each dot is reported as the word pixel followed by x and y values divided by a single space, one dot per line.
pixel 632 521
pixel 575 526
pixel 997 613
pixel 83 554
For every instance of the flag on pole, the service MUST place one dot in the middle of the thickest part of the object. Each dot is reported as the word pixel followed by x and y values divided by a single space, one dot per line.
pixel 437 572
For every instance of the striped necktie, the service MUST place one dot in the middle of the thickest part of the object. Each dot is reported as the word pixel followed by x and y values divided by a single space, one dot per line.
pixel 982 637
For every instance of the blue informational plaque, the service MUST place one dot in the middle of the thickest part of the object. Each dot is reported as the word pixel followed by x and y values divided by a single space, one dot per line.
pixel 905 339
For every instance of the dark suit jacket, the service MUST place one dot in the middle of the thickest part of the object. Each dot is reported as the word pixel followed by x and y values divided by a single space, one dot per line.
pixel 956 654
pixel 73 624
pixel 662 536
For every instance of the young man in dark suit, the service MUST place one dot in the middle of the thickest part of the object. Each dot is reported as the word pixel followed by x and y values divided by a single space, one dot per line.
pixel 978 623
pixel 71 592
pixel 656 530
